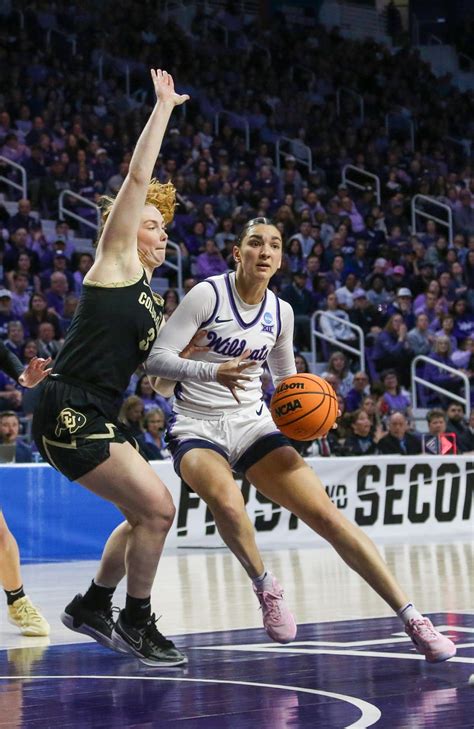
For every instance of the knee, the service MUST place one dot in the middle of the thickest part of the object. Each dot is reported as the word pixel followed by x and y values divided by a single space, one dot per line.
pixel 328 523
pixel 159 515
pixel 228 510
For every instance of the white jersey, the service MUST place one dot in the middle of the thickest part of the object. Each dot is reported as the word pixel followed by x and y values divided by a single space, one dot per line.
pixel 232 326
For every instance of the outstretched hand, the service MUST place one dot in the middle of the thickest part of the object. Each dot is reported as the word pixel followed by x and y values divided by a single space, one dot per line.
pixel 230 374
pixel 35 372
pixel 164 88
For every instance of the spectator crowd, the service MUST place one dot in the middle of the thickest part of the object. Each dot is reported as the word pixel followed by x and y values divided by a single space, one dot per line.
pixel 68 120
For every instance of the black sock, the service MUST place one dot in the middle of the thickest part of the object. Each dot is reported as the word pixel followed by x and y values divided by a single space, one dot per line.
pixel 13 595
pixel 98 597
pixel 137 609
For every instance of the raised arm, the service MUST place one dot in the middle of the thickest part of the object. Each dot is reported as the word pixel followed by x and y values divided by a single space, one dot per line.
pixel 119 237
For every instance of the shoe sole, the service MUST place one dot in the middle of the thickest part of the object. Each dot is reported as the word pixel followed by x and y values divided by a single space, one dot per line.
pixel 84 629
pixel 444 657
pixel 30 633
pixel 121 645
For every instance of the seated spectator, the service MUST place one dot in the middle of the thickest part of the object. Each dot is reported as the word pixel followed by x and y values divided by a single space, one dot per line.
pixel 150 398
pixel 399 440
pixel 336 328
pixel 23 218
pixel 338 366
pixel 301 363
pixel 301 301
pixel 441 353
pixel 392 349
pixel 366 316
pixel 47 345
pixel 360 442
pixel 403 305
pixel 15 337
pixel 152 442
pixel 171 299
pixel 131 415
pixel 360 388
pixel 345 294
pixel 20 294
pixel 9 434
pixel 56 295
pixel 393 399
pixel 210 262
pixel 6 314
pixel 37 314
pixel 447 329
pixel 70 305
pixel 463 320
pixel 24 265
pixel 294 255
pixel 420 339
pixel 436 419
pixel 369 405
pixel 377 294
pixel 84 264
pixel 456 423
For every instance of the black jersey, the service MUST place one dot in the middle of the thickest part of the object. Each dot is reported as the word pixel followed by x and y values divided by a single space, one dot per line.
pixel 111 334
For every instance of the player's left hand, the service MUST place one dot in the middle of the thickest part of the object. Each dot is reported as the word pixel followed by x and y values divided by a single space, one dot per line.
pixel 35 372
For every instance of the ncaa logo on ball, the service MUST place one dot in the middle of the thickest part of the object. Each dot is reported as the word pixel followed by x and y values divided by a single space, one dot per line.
pixel 287 407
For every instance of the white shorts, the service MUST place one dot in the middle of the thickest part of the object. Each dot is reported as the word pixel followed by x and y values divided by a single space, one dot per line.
pixel 242 437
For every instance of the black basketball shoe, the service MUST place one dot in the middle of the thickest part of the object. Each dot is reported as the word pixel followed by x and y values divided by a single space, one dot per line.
pixel 98 624
pixel 146 643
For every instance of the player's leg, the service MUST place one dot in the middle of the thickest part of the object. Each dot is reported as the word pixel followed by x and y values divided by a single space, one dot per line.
pixel 21 611
pixel 129 482
pixel 284 477
pixel 210 476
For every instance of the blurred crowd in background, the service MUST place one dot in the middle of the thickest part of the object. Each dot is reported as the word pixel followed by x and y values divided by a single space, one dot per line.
pixel 68 120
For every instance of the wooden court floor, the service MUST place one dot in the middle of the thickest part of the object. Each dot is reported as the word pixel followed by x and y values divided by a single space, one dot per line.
pixel 350 666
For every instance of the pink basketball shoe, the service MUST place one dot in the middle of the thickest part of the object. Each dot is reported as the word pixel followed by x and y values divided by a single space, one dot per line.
pixel 428 641
pixel 277 619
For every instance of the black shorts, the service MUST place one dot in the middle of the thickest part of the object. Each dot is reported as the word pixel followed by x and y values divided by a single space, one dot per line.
pixel 74 426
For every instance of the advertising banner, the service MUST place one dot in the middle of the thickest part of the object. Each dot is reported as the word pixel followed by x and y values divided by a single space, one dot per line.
pixel 388 496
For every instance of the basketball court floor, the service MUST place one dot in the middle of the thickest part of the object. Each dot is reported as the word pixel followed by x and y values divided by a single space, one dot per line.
pixel 351 665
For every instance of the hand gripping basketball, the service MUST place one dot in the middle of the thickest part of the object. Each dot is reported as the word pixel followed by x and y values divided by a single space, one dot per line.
pixel 230 374
pixel 304 407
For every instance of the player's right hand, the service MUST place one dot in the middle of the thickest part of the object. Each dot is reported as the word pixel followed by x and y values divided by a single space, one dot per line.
pixel 231 373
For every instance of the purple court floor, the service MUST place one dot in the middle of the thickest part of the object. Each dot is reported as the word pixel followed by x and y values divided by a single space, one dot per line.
pixel 355 673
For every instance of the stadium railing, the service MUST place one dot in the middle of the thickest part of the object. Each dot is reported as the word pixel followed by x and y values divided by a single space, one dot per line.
pixel 65 211
pixel 18 168
pixel 420 380
pixel 300 151
pixel 317 334
pixel 423 212
pixel 371 180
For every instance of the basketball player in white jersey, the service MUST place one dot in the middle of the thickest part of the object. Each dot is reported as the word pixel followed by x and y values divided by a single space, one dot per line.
pixel 216 429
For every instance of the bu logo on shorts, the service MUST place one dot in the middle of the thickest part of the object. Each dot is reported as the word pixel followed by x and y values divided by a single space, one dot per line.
pixel 69 420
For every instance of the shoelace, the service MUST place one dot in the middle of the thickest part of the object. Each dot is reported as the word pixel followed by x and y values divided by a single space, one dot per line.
pixel 26 611
pixel 271 604
pixel 424 630
pixel 108 615
pixel 153 634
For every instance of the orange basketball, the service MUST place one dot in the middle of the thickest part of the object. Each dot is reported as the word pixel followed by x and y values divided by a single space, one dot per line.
pixel 304 407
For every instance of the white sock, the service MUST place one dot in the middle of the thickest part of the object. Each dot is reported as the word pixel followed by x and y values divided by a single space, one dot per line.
pixel 409 612
pixel 263 582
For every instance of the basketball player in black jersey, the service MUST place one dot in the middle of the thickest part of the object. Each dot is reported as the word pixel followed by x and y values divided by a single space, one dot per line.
pixel 21 611
pixel 75 424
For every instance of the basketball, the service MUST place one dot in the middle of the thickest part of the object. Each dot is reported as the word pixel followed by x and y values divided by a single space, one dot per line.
pixel 304 407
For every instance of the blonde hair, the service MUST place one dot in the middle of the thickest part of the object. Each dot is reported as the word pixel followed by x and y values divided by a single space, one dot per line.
pixel 161 195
